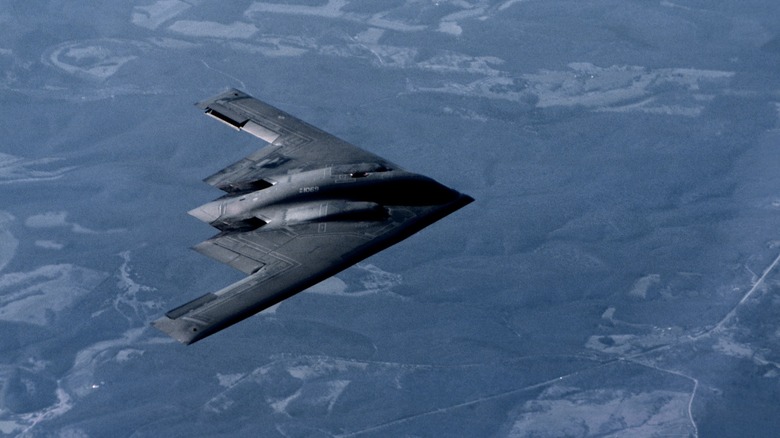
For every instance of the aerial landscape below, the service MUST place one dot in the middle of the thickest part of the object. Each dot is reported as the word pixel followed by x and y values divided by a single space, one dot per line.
pixel 617 274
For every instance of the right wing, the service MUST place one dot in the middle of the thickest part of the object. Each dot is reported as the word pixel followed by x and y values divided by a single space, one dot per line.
pixel 295 145
pixel 282 262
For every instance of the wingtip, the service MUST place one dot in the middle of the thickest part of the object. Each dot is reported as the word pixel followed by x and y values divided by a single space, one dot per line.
pixel 177 329
pixel 228 94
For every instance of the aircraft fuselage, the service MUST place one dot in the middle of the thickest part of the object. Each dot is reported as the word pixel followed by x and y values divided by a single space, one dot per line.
pixel 330 193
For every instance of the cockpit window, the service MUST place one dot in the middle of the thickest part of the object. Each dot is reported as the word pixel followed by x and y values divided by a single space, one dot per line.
pixel 359 170
pixel 404 191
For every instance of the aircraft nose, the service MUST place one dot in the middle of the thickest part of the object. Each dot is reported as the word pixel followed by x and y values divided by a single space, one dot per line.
pixel 207 212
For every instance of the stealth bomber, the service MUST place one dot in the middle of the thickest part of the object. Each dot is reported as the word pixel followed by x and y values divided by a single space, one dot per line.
pixel 301 209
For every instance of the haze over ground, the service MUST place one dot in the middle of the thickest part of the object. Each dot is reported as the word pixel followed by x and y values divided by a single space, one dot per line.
pixel 617 274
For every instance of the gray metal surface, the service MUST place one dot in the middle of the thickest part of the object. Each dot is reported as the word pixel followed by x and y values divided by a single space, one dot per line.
pixel 296 212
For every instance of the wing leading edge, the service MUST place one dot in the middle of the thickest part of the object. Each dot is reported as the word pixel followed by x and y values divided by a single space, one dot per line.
pixel 285 255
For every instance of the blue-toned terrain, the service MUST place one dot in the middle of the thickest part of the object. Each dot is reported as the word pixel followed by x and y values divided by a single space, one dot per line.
pixel 617 275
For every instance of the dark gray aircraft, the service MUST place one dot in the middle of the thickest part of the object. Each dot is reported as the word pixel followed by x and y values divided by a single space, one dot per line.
pixel 296 212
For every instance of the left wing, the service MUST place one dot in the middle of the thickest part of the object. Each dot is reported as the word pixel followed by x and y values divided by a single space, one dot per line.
pixel 295 145
pixel 282 262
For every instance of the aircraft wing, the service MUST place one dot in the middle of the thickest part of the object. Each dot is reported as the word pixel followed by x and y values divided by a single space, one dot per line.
pixel 282 262
pixel 295 146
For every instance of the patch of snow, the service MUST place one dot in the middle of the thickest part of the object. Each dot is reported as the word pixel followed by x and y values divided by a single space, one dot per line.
pixel 316 394
pixel 330 10
pixel 37 296
pixel 235 30
pixel 453 62
pixel 280 406
pixel 228 380
pixel 370 36
pixel 604 412
pixel 615 88
pixel 509 3
pixel 81 376
pixel 57 219
pixel 379 21
pixel 93 59
pixel 588 85
pixel 273 47
pixel 63 405
pixel 8 243
pixel 10 427
pixel 450 27
pixel 19 170
pixel 465 113
pixel 47 244
pixel 363 280
pixel 50 219
pixel 172 43
pixel 333 391
pixel 128 354
pixel 316 367
pixel 152 16
pixel 641 286
pixel 130 302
